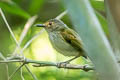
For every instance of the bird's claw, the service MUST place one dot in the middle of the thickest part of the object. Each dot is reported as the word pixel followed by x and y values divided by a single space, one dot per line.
pixel 62 64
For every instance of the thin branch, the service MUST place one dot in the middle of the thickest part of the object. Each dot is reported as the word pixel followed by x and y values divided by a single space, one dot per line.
pixel 7 71
pixel 21 73
pixel 61 15
pixel 66 66
pixel 26 28
pixel 2 57
pixel 58 65
pixel 61 65
pixel 16 71
pixel 30 41
pixel 11 61
pixel 34 77
pixel 24 32
pixel 5 20
pixel 6 65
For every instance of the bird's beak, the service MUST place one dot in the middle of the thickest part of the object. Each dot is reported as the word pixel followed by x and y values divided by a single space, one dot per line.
pixel 40 25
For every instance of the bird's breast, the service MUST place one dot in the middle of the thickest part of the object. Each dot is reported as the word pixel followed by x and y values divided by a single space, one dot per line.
pixel 61 46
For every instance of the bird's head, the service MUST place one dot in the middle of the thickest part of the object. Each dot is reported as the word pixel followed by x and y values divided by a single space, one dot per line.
pixel 53 25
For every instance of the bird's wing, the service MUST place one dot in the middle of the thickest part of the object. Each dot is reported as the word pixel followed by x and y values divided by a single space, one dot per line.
pixel 72 38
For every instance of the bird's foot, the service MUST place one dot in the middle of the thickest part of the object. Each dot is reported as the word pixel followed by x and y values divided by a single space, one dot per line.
pixel 63 64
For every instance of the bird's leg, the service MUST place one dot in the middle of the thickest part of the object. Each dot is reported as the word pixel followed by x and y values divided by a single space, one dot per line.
pixel 68 61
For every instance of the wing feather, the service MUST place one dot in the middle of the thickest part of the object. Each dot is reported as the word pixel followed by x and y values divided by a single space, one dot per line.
pixel 72 38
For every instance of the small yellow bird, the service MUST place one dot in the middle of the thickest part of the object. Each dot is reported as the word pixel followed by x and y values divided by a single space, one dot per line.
pixel 63 39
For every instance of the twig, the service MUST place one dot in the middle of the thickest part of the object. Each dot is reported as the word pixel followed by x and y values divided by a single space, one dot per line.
pixel 34 77
pixel 2 57
pixel 24 32
pixel 59 65
pixel 26 28
pixel 33 38
pixel 6 65
pixel 12 61
pixel 7 71
pixel 16 71
pixel 11 32
pixel 21 73
pixel 66 66
pixel 61 15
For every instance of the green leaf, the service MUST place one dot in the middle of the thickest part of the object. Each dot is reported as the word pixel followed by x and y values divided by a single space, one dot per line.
pixel 98 5
pixel 13 8
pixel 103 23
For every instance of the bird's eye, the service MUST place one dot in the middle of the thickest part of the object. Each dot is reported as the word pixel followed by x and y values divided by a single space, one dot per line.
pixel 50 23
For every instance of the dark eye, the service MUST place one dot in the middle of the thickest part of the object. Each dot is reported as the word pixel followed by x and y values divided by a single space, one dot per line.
pixel 50 23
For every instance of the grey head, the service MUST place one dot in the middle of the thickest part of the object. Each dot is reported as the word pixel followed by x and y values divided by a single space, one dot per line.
pixel 53 25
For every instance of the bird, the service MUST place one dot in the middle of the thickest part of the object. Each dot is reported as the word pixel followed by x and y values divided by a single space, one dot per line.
pixel 63 39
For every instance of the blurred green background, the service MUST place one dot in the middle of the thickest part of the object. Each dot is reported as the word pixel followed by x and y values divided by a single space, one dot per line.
pixel 17 13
